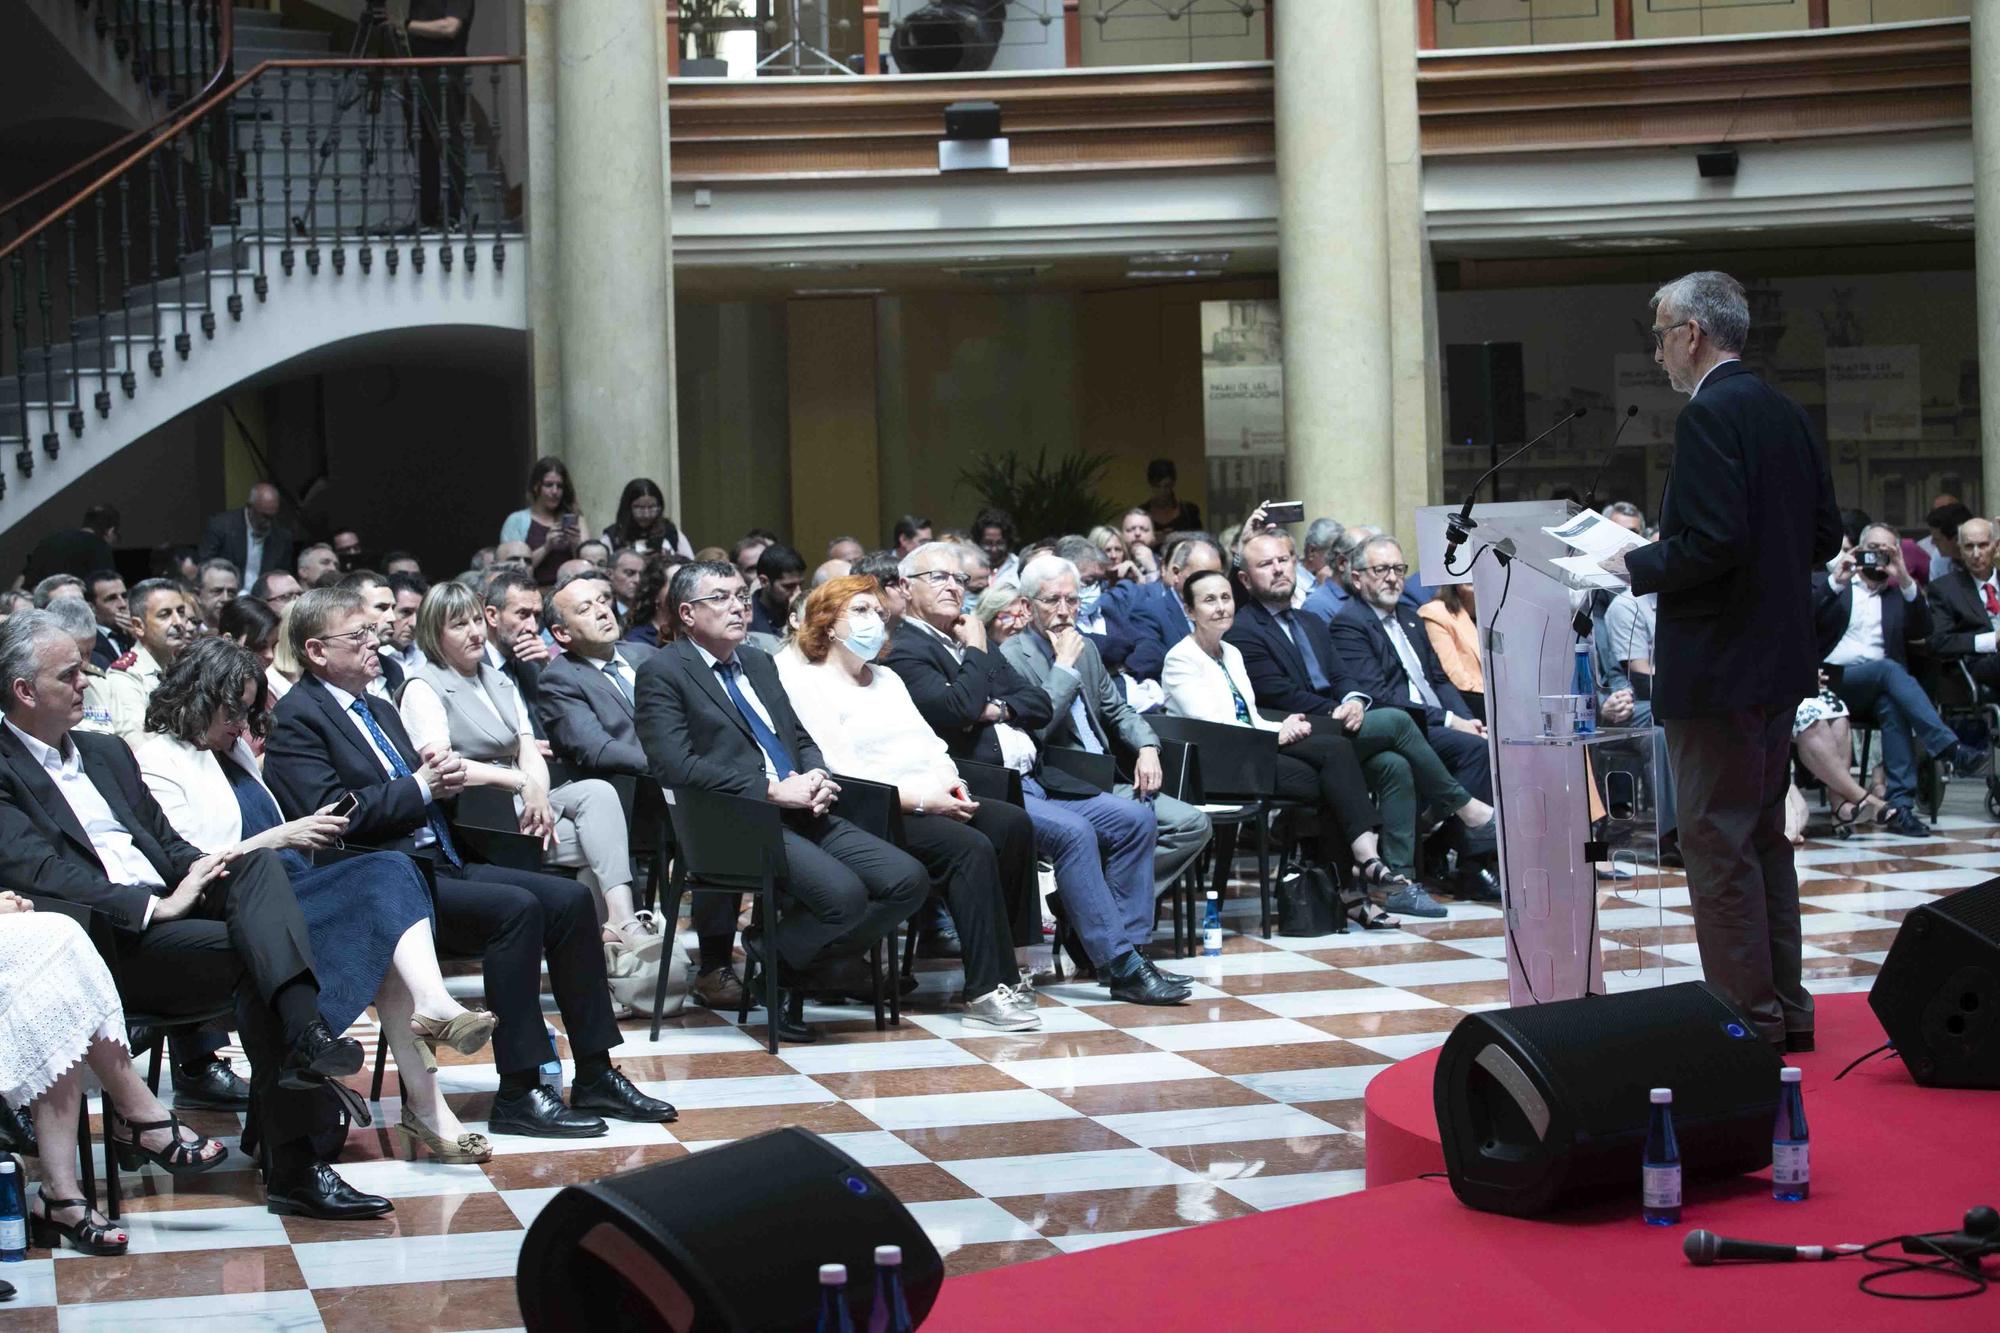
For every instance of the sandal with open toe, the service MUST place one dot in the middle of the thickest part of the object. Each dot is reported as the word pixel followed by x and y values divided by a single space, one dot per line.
pixel 83 1235
pixel 181 1157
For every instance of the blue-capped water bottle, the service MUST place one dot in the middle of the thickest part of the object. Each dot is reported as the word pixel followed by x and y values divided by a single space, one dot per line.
pixel 1791 1167
pixel 891 1311
pixel 13 1213
pixel 1211 927
pixel 833 1317
pixel 1660 1176
pixel 552 1074
pixel 1583 684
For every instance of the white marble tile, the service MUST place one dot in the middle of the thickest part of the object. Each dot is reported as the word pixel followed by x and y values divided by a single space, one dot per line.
pixel 1877 956
pixel 693 1041
pixel 621 1134
pixel 1641 918
pixel 951 1223
pixel 176 1230
pixel 1055 1018
pixel 266 1311
pixel 1359 1000
pixel 1921 886
pixel 1068 1172
pixel 1968 860
pixel 1221 1124
pixel 1486 946
pixel 394 1259
pixel 1360 941
pixel 1260 963
pixel 1227 1036
pixel 1097 1240
pixel 1403 1046
pixel 34 1283
pixel 1618 983
pixel 1689 954
pixel 1312 1085
pixel 527 1205
pixel 1841 921
pixel 937 1110
pixel 876 1147
pixel 1197 991
pixel 1444 972
pixel 1088 1071
pixel 758 1090
pixel 395 1178
pixel 1304 1187
pixel 467 1078
pixel 869 1056
pixel 1835 854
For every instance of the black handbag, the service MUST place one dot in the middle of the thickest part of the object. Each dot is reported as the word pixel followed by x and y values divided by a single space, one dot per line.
pixel 1309 904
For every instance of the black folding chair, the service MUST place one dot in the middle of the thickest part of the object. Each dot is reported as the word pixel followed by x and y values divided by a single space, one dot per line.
pixel 877 808
pixel 735 845
pixel 486 825
pixel 1238 767
pixel 985 782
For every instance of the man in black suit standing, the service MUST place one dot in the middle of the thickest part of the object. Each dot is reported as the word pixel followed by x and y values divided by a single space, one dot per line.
pixel 1747 518
pixel 250 538
pixel 79 551
pixel 1965 606
pixel 713 716
pixel 330 739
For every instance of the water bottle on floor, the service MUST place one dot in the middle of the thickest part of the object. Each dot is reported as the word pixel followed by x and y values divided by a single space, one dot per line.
pixel 1211 927
pixel 1791 1169
pixel 891 1313
pixel 552 1073
pixel 833 1300
pixel 13 1213
pixel 1660 1176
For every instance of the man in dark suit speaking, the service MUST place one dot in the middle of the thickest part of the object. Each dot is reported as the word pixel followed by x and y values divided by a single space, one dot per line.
pixel 1748 515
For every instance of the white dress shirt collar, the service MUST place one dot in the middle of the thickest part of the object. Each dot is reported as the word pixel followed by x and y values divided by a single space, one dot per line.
pixel 1711 370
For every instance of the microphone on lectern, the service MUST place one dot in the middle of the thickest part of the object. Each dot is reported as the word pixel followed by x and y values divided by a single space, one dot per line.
pixel 1459 526
pixel 1590 496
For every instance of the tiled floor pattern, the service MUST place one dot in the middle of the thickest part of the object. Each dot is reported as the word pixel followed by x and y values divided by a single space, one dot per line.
pixel 1113 1122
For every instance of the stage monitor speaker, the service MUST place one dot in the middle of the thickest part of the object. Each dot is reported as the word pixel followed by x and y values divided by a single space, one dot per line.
pixel 1487 405
pixel 1545 1105
pixel 1938 993
pixel 726 1238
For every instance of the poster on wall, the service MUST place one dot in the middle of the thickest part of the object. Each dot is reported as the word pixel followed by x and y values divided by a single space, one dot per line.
pixel 1873 393
pixel 1243 406
pixel 1642 384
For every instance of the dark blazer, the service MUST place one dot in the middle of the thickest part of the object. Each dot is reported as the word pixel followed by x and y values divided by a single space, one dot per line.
pixel 44 850
pixel 315 755
pixel 1152 616
pixel 527 678
pixel 228 535
pixel 589 722
pixel 108 647
pixel 77 551
pixel 1361 640
pixel 693 735
pixel 1958 615
pixel 1747 517
pixel 1903 623
pixel 1277 672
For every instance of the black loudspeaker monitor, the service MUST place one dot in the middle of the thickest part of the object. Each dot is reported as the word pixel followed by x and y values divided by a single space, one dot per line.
pixel 1486 404
pixel 726 1238
pixel 1546 1105
pixel 1938 993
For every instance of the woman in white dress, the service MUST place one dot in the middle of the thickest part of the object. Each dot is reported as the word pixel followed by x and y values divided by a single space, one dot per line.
pixel 59 1012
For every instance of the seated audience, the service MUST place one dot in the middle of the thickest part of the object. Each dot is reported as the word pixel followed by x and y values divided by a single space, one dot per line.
pixel 746 551
pixel 54 586
pixel 1965 606
pixel 1142 544
pixel 220 582
pixel 885 567
pixel 347 550
pixel 1334 591
pixel 1002 610
pixel 1153 612
pixel 285 668
pixel 1451 621
pixel 1118 566
pixel 650 622
pixel 1948 514
pixel 593 553
pixel 781 573
pixel 401 562
pixel 1316 558
pixel 551 525
pixel 845 548
pixel 909 533
pixel 253 625
pixel 408 590
pixel 252 539
pixel 381 603
pixel 628 571
pixel 993 533
pixel 74 617
pixel 828 571
pixel 978 569
pixel 1098 621
pixel 165 625
pixel 1824 738
pixel 514 643
pixel 641 523
pixel 1630 624
pixel 277 589
pixel 108 602
pixel 318 566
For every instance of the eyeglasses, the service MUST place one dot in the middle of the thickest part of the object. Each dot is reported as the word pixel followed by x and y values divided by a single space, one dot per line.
pixel 1060 600
pixel 937 578
pixel 741 598
pixel 1385 571
pixel 366 631
pixel 1660 331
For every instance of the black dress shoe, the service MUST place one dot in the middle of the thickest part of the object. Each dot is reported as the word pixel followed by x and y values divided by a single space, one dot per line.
pixel 942 942
pixel 612 1094
pixel 799 1033
pixel 1135 981
pixel 318 1191
pixel 319 1055
pixel 1476 842
pixel 17 1131
pixel 212 1087
pixel 1799 1041
pixel 539 1113
pixel 1171 978
pixel 1476 884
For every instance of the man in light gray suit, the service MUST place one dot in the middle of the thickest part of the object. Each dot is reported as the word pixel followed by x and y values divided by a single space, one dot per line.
pixel 1091 713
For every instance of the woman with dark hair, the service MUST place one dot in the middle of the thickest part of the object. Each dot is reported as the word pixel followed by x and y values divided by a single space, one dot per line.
pixel 247 621
pixel 642 521
pixel 369 916
pixel 650 621
pixel 1168 511
pixel 551 525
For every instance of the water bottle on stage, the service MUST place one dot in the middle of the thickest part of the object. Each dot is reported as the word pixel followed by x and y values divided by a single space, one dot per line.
pixel 1791 1167
pixel 1660 1183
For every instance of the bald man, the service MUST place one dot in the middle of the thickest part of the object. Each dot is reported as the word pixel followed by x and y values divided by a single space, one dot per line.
pixel 1965 606
pixel 250 538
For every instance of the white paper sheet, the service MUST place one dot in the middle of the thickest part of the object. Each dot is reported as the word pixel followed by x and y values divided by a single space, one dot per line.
pixel 1595 538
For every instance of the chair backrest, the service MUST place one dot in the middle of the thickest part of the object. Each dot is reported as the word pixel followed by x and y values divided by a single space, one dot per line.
pixel 1237 763
pixel 873 807
pixel 1180 772
pixel 1099 770
pixel 990 782
pixel 484 820
pixel 727 840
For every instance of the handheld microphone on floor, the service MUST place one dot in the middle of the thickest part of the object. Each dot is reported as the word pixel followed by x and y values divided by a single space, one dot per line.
pixel 1590 496
pixel 1459 526
pixel 1703 1248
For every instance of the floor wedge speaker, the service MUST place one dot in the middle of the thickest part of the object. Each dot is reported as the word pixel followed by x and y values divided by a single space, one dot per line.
pixel 1544 1106
pixel 726 1238
pixel 1938 993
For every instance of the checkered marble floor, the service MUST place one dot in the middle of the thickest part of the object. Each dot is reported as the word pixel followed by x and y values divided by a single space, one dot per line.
pixel 1113 1122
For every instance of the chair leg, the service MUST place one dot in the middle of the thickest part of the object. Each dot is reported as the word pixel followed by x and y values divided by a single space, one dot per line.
pixel 153 1070
pixel 670 927
pixel 895 989
pixel 1174 894
pixel 1263 871
pixel 381 1061
pixel 768 910
pixel 875 952
pixel 112 1192
pixel 86 1169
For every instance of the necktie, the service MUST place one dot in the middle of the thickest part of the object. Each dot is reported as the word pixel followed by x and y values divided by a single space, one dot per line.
pixel 1420 686
pixel 1079 720
pixel 774 749
pixel 1992 599
pixel 611 670
pixel 432 815
pixel 1314 672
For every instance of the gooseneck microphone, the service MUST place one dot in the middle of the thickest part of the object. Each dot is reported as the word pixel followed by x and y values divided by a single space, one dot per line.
pixel 1459 526
pixel 1703 1248
pixel 1590 496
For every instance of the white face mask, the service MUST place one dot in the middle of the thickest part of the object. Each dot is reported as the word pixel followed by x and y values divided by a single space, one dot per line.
pixel 865 636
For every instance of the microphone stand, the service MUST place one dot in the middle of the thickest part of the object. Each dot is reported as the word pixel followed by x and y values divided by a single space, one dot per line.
pixel 1458 527
pixel 1590 496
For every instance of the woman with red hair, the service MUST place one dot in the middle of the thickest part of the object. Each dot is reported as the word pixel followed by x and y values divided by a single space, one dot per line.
pixel 865 724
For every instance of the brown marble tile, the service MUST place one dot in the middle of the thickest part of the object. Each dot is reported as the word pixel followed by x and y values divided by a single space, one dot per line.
pixel 1831 886
pixel 1860 941
pixel 1386 954
pixel 186 1273
pixel 1477 928
pixel 1225 1010
pixel 36 1319
pixel 1230 943
pixel 995 1254
pixel 1281 983
pixel 1145 1208
pixel 157 1192
pixel 1181 1094
pixel 1918 849
pixel 1890 913
pixel 1388 1023
pixel 1818 969
pixel 923 1183
pixel 1270 1157
pixel 1865 866
pixel 1649 935
pixel 737 1122
pixel 917 1082
pixel 1053 1045
pixel 716 1064
pixel 1464 992
pixel 1284 1055
pixel 1350 1113
pixel 413 1306
pixel 420 1215
pixel 1022 1138
pixel 842 1031
pixel 556 1167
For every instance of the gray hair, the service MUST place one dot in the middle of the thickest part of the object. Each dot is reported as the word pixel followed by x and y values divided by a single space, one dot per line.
pixel 313 612
pixel 140 599
pixel 1321 536
pixel 1080 551
pixel 1713 300
pixel 1177 553
pixel 1379 539
pixel 21 640
pixel 1623 509
pixel 970 555
pixel 46 590
pixel 686 583
pixel 919 557
pixel 1044 569
pixel 74 615
pixel 999 595
pixel 1986 523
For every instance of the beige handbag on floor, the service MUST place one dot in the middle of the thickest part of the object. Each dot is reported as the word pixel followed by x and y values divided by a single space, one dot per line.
pixel 633 987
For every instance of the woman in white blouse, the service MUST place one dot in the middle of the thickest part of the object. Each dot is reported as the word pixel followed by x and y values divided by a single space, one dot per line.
pixel 455 698
pixel 867 727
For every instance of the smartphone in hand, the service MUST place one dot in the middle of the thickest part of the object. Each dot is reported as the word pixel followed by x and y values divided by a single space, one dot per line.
pixel 1284 513
pixel 344 807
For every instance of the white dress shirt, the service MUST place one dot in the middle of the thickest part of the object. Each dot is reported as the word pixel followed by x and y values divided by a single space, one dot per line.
pixel 1017 747
pixel 1986 643
pixel 123 862
pixel 253 554
pixel 1710 371
pixel 423 836
pixel 1861 641
pixel 709 660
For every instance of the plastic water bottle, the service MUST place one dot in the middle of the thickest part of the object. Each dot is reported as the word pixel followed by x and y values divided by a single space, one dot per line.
pixel 891 1313
pixel 13 1214
pixel 1660 1177
pixel 552 1074
pixel 1211 927
pixel 1791 1167
pixel 833 1300
pixel 1583 683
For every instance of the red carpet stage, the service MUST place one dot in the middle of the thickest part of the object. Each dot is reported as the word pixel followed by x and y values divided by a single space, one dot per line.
pixel 1888 1157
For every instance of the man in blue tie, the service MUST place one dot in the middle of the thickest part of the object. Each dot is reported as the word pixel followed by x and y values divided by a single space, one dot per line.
pixel 712 716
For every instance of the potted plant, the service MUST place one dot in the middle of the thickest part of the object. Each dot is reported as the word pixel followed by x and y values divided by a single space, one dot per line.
pixel 1047 498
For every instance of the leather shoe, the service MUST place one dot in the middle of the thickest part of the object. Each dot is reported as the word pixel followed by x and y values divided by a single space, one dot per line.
pixel 720 989
pixel 539 1113
pixel 212 1087
pixel 1134 981
pixel 1476 884
pixel 1799 1041
pixel 1475 842
pixel 1171 978
pixel 318 1191
pixel 612 1094
pixel 17 1131
pixel 943 942
pixel 319 1055
pixel 797 1032
pixel 1905 823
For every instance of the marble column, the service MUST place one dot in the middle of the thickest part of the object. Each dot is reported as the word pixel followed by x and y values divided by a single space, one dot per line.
pixel 1417 389
pixel 538 58
pixel 1334 262
pixel 613 269
pixel 1986 240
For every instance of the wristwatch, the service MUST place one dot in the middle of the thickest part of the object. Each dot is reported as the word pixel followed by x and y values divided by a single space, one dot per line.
pixel 1006 713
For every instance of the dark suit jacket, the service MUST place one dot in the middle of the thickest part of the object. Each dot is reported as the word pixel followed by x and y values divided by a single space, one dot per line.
pixel 77 551
pixel 228 535
pixel 1958 615
pixel 1903 623
pixel 589 722
pixel 1277 672
pixel 692 733
pixel 1363 644
pixel 1152 616
pixel 1748 515
pixel 315 755
pixel 527 678
pixel 108 647
pixel 44 850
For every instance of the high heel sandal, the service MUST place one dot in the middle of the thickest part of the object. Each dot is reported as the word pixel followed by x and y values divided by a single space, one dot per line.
pixel 1379 874
pixel 467 1148
pixel 466 1032
pixel 178 1158
pixel 83 1234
